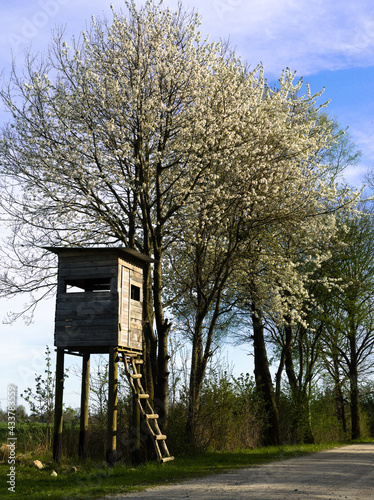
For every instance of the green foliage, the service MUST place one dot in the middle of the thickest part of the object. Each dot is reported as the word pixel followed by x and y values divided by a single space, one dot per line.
pixel 367 407
pixel 177 438
pixel 230 415
pixel 325 422
pixel 30 436
pixel 348 332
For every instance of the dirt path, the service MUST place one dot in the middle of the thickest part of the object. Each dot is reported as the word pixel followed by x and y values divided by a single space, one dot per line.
pixel 341 473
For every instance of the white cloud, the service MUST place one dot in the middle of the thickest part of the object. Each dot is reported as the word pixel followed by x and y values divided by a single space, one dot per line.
pixel 308 36
pixel 363 138
pixel 355 175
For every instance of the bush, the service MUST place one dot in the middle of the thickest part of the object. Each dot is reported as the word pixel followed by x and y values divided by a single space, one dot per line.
pixel 325 424
pixel 30 436
pixel 367 408
pixel 230 415
pixel 176 432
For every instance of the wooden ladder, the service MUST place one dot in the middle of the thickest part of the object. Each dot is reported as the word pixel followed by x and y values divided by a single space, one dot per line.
pixel 131 363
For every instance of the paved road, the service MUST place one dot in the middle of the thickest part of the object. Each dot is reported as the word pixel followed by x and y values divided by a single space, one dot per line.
pixel 341 473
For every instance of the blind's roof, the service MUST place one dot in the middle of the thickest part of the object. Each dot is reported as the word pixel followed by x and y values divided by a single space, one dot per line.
pixel 124 252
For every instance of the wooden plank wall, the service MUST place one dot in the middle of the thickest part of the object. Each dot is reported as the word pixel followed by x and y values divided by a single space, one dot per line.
pixel 103 318
pixel 131 311
pixel 87 318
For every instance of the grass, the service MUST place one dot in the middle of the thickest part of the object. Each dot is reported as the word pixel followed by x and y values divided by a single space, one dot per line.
pixel 97 480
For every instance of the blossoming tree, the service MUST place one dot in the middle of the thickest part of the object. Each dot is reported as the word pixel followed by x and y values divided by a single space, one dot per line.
pixel 140 134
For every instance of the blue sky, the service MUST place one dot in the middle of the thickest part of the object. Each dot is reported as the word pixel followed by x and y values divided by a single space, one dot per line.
pixel 328 43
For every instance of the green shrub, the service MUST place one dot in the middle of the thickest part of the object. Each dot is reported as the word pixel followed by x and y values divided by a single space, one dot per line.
pixel 230 415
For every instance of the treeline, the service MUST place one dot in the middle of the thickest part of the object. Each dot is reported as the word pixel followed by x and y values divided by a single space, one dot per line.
pixel 232 414
pixel 231 418
pixel 141 134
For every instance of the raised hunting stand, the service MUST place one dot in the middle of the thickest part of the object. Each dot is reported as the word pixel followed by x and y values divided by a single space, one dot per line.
pixel 99 309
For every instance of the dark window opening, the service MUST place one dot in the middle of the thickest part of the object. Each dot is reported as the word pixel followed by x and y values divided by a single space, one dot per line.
pixel 88 285
pixel 135 293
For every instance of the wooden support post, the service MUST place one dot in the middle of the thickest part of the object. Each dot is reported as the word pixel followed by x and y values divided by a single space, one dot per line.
pixel 57 430
pixel 111 453
pixel 82 451
pixel 135 451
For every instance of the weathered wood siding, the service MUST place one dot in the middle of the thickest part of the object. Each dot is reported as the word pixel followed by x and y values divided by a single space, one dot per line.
pixel 103 318
pixel 131 311
pixel 86 318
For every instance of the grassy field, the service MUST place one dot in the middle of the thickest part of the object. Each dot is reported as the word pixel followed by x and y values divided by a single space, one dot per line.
pixel 92 480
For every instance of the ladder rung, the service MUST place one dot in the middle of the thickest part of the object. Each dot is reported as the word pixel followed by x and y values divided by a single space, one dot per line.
pixel 139 361
pixel 160 437
pixel 143 396
pixel 151 415
pixel 136 375
pixel 167 459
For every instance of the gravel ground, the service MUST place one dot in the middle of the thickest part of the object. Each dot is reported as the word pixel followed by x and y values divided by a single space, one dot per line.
pixel 340 473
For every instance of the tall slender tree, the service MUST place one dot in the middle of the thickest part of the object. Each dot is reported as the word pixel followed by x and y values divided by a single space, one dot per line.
pixel 349 339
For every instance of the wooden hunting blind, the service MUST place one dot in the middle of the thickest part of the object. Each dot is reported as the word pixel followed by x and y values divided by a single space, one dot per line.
pixel 99 309
pixel 99 299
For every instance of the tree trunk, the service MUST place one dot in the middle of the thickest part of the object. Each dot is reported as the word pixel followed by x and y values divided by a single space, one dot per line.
pixel 289 361
pixel 149 369
pixel 278 376
pixel 201 353
pixel 339 406
pixel 196 381
pixel 194 391
pixel 271 433
pixel 355 414
pixel 338 396
pixel 163 328
pixel 353 377
pixel 301 417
